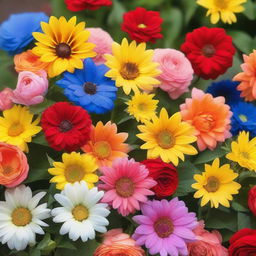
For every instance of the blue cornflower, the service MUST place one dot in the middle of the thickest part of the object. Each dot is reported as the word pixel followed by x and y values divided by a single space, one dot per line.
pixel 89 88
pixel 227 89
pixel 16 31
pixel 244 118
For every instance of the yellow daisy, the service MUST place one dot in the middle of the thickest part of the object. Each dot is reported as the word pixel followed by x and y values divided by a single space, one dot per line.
pixel 132 66
pixel 17 128
pixel 216 184
pixel 244 151
pixel 63 45
pixel 222 9
pixel 142 106
pixel 74 167
pixel 168 138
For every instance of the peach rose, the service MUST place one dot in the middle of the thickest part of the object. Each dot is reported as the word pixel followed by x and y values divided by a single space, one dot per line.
pixel 6 99
pixel 28 61
pixel 118 243
pixel 208 243
pixel 13 165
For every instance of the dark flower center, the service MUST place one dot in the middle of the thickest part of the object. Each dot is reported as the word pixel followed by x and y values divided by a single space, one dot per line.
pixel 163 227
pixel 208 50
pixel 90 88
pixel 63 50
pixel 129 71
pixel 65 126
pixel 212 185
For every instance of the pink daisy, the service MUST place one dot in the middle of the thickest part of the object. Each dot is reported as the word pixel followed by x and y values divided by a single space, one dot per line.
pixel 126 184
pixel 165 227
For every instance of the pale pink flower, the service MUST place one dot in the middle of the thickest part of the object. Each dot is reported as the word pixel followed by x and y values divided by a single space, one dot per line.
pixel 31 88
pixel 6 99
pixel 116 236
pixel 177 72
pixel 103 42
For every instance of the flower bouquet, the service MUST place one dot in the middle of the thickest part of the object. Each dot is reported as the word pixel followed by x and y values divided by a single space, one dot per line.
pixel 112 147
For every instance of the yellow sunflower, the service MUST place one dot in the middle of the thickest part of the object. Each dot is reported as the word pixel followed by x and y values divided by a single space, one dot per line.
pixel 222 9
pixel 63 45
pixel 168 138
pixel 17 127
pixel 74 167
pixel 216 184
pixel 142 106
pixel 244 151
pixel 132 66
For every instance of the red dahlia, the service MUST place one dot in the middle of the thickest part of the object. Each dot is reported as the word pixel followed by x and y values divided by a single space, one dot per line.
pixel 66 127
pixel 164 174
pixel 142 25
pixel 79 5
pixel 210 51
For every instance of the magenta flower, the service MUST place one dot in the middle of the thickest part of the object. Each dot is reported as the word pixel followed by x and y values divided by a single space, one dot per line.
pixel 165 227
pixel 126 184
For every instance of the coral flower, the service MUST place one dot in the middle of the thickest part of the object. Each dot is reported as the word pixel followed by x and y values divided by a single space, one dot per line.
pixel 6 99
pixel 126 184
pixel 13 165
pixel 105 144
pixel 209 116
pixel 247 77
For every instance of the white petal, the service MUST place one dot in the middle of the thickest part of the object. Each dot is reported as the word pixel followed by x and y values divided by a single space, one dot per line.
pixel 64 201
pixel 35 200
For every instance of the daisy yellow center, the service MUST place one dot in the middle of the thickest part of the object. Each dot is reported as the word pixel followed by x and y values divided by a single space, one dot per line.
pixel 142 25
pixel 129 71
pixel 102 149
pixel 243 118
pixel 165 139
pixel 90 88
pixel 245 155
pixel 212 185
pixel 204 122
pixel 163 227
pixel 74 173
pixel 221 4
pixel 124 187
pixel 208 50
pixel 65 126
pixel 80 213
pixel 21 217
pixel 63 50
pixel 15 129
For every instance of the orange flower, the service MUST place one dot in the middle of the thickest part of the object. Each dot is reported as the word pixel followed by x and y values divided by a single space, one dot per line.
pixel 247 77
pixel 13 165
pixel 209 116
pixel 117 243
pixel 105 144
pixel 28 61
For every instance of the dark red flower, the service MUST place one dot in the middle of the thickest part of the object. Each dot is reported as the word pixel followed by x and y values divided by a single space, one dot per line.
pixel 142 25
pixel 79 5
pixel 164 174
pixel 210 51
pixel 243 243
pixel 252 200
pixel 66 127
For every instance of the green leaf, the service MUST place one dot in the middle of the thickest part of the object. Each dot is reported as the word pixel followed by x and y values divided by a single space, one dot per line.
pixel 243 220
pixel 39 108
pixel 116 15
pixel 189 8
pixel 45 242
pixel 249 11
pixel 34 252
pixel 247 175
pixel 66 244
pixel 242 40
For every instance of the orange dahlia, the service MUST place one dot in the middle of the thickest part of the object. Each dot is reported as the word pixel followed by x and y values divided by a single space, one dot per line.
pixel 105 144
pixel 209 116
pixel 247 77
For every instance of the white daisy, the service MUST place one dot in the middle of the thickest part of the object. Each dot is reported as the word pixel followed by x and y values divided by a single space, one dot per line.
pixel 81 213
pixel 21 217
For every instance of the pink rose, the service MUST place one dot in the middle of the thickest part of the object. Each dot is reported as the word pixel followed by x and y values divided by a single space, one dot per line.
pixel 6 99
pixel 208 243
pixel 103 42
pixel 177 72
pixel 31 88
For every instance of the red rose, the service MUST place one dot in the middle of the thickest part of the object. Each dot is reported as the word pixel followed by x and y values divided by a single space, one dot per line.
pixel 243 243
pixel 164 174
pixel 252 200
pixel 142 25
pixel 210 51
pixel 79 5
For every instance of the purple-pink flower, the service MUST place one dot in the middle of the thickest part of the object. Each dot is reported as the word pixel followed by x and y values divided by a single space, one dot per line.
pixel 177 72
pixel 103 42
pixel 6 99
pixel 31 88
pixel 165 227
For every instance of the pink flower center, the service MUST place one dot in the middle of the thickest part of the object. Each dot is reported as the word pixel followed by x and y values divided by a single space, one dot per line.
pixel 65 126
pixel 129 71
pixel 204 122
pixel 63 50
pixel 124 187
pixel 27 81
pixel 208 50
pixel 163 227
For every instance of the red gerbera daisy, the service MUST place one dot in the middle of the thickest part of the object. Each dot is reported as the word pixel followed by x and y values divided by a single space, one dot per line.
pixel 143 25
pixel 210 51
pixel 79 5
pixel 66 127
